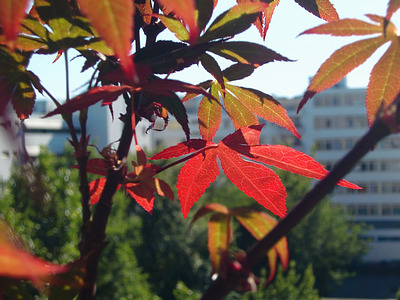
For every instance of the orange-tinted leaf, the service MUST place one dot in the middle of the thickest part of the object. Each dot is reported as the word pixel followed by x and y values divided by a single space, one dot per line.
pixel 17 263
pixel 219 238
pixel 186 11
pixel 106 93
pixel 384 83
pixel 195 177
pixel 259 224
pixel 321 8
pixel 209 115
pixel 145 10
pixel 294 161
pixel 254 180
pixel 234 21
pixel 340 63
pixel 240 115
pixel 393 6
pixel 345 27
pixel 262 23
pixel 264 106
pixel 208 208
pixel 113 20
pixel 12 12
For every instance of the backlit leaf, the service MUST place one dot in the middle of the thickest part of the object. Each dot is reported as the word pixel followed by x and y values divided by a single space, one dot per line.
pixel 195 177
pixel 175 26
pixel 104 93
pixel 186 11
pixel 12 12
pixel 254 180
pixel 240 115
pixel 145 10
pixel 247 53
pixel 384 83
pixel 219 238
pixel 113 20
pixel 15 262
pixel 142 195
pixel 321 8
pixel 209 208
pixel 263 105
pixel 181 149
pixel 234 21
pixel 259 224
pixel 393 6
pixel 345 27
pixel 294 161
pixel 209 115
pixel 340 63
pixel 95 189
pixel 244 136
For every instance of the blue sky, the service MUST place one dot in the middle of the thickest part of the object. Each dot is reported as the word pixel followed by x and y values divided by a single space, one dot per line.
pixel 281 79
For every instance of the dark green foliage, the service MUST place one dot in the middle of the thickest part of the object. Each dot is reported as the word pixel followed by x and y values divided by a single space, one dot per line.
pixel 325 238
pixel 41 201
pixel 170 254
pixel 121 278
pixel 288 285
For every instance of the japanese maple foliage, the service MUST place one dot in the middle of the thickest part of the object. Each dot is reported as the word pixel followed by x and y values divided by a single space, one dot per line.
pixel 120 44
pixel 383 85
pixel 240 156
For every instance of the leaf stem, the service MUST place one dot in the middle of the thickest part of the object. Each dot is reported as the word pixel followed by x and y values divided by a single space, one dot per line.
pixel 186 158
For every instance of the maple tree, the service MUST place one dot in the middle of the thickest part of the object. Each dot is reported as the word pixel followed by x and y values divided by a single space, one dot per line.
pixel 108 35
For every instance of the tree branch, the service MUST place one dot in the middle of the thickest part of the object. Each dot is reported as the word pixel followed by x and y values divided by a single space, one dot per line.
pixel 92 245
pixel 387 122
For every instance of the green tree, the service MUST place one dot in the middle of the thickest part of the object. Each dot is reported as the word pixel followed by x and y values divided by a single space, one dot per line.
pixel 326 238
pixel 287 285
pixel 41 202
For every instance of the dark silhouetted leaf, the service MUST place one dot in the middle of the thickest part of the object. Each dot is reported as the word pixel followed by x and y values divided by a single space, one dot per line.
pixel 247 53
pixel 234 21
pixel 321 8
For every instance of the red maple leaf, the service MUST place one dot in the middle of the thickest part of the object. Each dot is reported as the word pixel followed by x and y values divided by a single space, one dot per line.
pixel 140 184
pixel 240 155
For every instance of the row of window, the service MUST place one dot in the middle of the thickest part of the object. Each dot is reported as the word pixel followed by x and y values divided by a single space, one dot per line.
pixel 340 122
pixel 371 165
pixel 384 187
pixel 392 142
pixel 363 210
pixel 339 100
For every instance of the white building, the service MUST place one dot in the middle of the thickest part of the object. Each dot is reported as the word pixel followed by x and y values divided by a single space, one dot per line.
pixel 330 124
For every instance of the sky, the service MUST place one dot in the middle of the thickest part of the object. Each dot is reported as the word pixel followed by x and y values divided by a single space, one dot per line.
pixel 280 79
